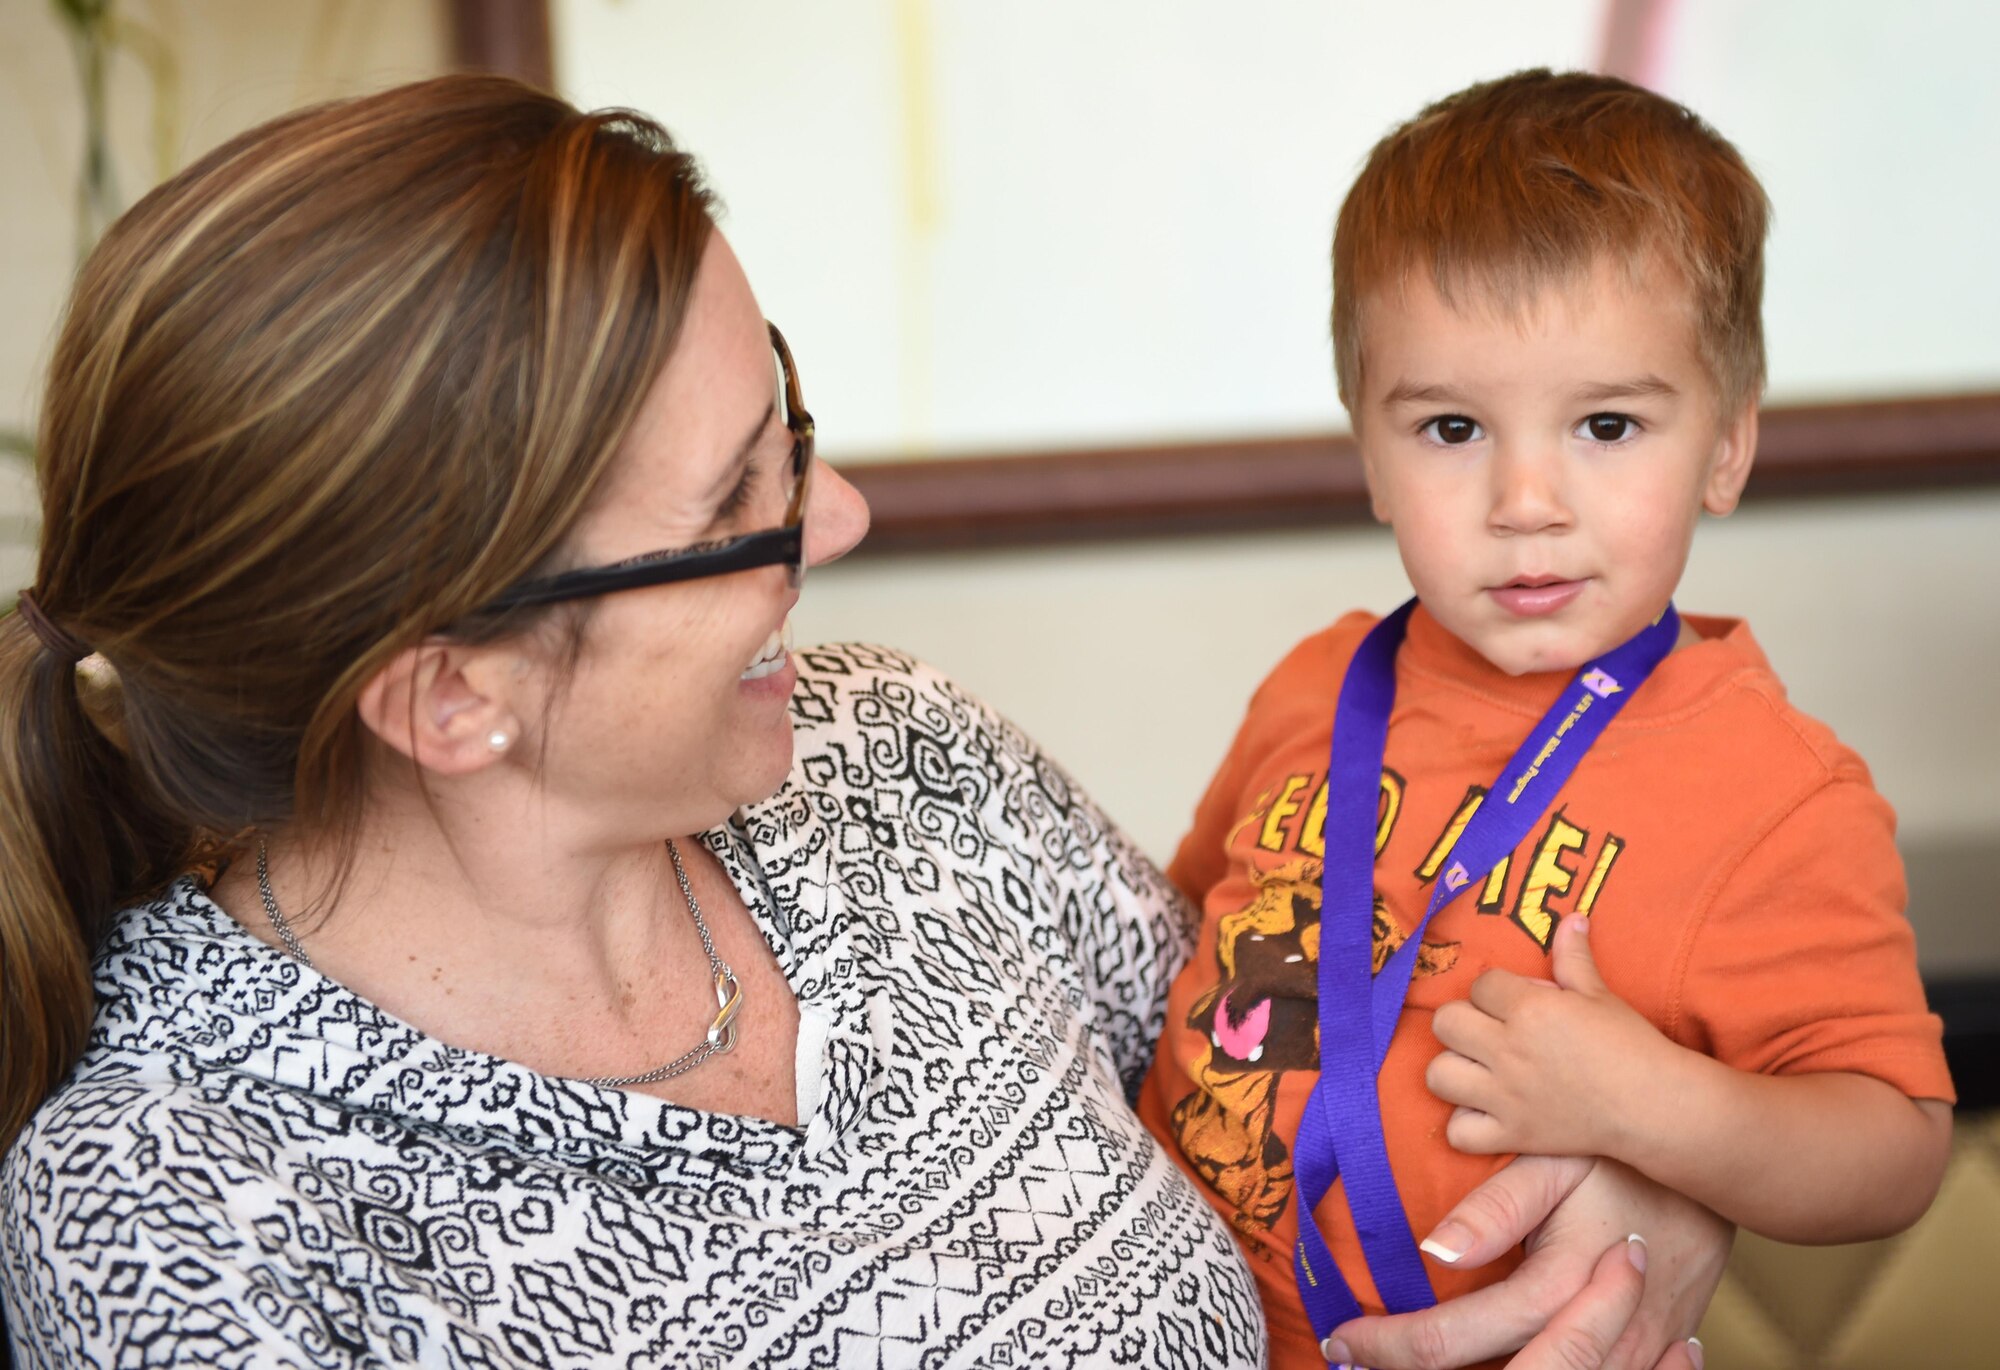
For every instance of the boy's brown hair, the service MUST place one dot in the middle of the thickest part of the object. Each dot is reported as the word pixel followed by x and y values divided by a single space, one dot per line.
pixel 1514 186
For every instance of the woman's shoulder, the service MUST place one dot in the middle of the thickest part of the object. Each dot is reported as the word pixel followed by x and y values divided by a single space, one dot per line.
pixel 905 779
pixel 875 719
pixel 120 1159
pixel 881 727
pixel 843 685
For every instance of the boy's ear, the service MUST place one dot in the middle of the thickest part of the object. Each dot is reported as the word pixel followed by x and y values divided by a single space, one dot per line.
pixel 438 704
pixel 1735 449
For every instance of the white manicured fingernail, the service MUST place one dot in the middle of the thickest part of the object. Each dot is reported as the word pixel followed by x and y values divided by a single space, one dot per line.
pixel 1437 1250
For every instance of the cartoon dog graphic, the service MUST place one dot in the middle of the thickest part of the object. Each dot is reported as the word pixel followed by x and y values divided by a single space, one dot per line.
pixel 1262 1019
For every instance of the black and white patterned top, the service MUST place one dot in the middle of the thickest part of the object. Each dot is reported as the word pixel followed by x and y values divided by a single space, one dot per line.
pixel 252 1166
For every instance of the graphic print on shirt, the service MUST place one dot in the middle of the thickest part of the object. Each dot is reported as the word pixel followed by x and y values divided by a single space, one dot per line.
pixel 1260 1019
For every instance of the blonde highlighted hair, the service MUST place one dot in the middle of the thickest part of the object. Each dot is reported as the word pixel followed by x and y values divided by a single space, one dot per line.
pixel 326 391
pixel 1516 186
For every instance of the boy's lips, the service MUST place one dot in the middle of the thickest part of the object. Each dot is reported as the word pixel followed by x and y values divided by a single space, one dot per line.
pixel 1534 596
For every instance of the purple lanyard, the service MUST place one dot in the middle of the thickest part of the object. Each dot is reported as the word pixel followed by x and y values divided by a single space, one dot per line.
pixel 1341 1130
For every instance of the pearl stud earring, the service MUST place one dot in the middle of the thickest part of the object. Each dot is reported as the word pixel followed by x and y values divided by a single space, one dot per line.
pixel 498 740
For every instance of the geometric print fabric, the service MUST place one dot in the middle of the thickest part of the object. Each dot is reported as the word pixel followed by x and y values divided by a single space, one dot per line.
pixel 253 1166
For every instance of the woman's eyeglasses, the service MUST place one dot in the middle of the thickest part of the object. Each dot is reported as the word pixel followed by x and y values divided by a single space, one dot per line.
pixel 781 546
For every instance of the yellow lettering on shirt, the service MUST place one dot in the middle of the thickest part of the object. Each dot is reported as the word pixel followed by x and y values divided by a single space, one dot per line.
pixel 1387 810
pixel 1312 837
pixel 1434 861
pixel 1613 844
pixel 1546 876
pixel 1272 837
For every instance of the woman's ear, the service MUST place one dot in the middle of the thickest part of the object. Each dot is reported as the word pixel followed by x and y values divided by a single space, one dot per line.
pixel 444 706
pixel 1735 448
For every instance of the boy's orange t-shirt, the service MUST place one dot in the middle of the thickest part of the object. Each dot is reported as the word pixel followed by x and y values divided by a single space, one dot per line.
pixel 1739 869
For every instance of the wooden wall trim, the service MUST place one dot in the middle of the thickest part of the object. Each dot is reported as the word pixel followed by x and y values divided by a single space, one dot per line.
pixel 1265 483
pixel 506 37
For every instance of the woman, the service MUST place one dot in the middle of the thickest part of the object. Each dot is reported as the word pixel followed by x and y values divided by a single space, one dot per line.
pixel 424 500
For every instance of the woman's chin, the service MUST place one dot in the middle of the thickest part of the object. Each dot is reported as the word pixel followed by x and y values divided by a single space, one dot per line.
pixel 768 758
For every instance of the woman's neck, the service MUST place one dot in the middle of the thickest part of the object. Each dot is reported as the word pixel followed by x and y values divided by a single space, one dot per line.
pixel 502 937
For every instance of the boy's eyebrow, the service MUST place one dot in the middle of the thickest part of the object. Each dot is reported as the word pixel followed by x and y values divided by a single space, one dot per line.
pixel 1638 387
pixel 1410 392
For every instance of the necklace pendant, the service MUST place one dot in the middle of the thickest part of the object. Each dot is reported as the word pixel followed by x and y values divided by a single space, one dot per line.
pixel 728 999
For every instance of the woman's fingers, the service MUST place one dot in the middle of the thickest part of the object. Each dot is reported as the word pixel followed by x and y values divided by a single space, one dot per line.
pixel 1687 1247
pixel 1490 1221
pixel 1582 1335
pixel 1498 1216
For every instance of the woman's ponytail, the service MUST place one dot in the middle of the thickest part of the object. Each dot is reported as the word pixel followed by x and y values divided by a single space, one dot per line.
pixel 73 838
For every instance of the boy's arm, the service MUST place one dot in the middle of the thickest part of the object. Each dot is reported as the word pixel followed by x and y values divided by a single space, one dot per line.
pixel 1571 1069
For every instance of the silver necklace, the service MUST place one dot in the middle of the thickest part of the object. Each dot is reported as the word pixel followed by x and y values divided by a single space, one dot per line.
pixel 722 1031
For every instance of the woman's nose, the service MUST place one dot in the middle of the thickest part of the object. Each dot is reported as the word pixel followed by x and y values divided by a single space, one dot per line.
pixel 836 516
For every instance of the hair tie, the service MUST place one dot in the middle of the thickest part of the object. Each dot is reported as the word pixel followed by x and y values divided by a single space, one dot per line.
pixel 55 639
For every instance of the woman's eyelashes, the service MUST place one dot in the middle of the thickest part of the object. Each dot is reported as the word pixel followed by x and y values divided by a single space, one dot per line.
pixel 739 494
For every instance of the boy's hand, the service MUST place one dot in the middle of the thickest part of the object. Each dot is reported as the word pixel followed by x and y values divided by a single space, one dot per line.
pixel 1541 1067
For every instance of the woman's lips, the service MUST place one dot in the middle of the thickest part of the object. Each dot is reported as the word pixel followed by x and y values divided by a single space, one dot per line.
pixel 1533 601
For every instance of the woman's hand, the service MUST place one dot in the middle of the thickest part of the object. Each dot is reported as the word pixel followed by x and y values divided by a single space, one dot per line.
pixel 1570 1211
pixel 1582 1336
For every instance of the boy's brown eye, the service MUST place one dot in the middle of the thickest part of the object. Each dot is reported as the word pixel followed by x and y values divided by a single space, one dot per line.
pixel 1608 427
pixel 1453 429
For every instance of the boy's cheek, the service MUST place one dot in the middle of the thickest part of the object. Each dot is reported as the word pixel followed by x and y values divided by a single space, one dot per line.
pixel 1374 475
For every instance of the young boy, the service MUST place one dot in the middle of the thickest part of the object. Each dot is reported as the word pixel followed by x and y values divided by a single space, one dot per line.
pixel 1546 330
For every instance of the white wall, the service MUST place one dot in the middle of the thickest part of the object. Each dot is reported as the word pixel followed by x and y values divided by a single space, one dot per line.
pixel 1070 221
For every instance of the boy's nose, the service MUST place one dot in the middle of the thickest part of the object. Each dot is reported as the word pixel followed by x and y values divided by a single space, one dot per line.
pixel 1527 491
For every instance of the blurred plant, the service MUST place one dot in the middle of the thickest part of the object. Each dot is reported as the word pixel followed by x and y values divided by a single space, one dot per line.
pixel 99 31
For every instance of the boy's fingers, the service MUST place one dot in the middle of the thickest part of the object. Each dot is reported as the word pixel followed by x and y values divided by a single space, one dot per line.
pixel 1452 1024
pixel 1457 1080
pixel 1477 1133
pixel 1570 956
pixel 1581 1336
pixel 1466 1030
pixel 1497 991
